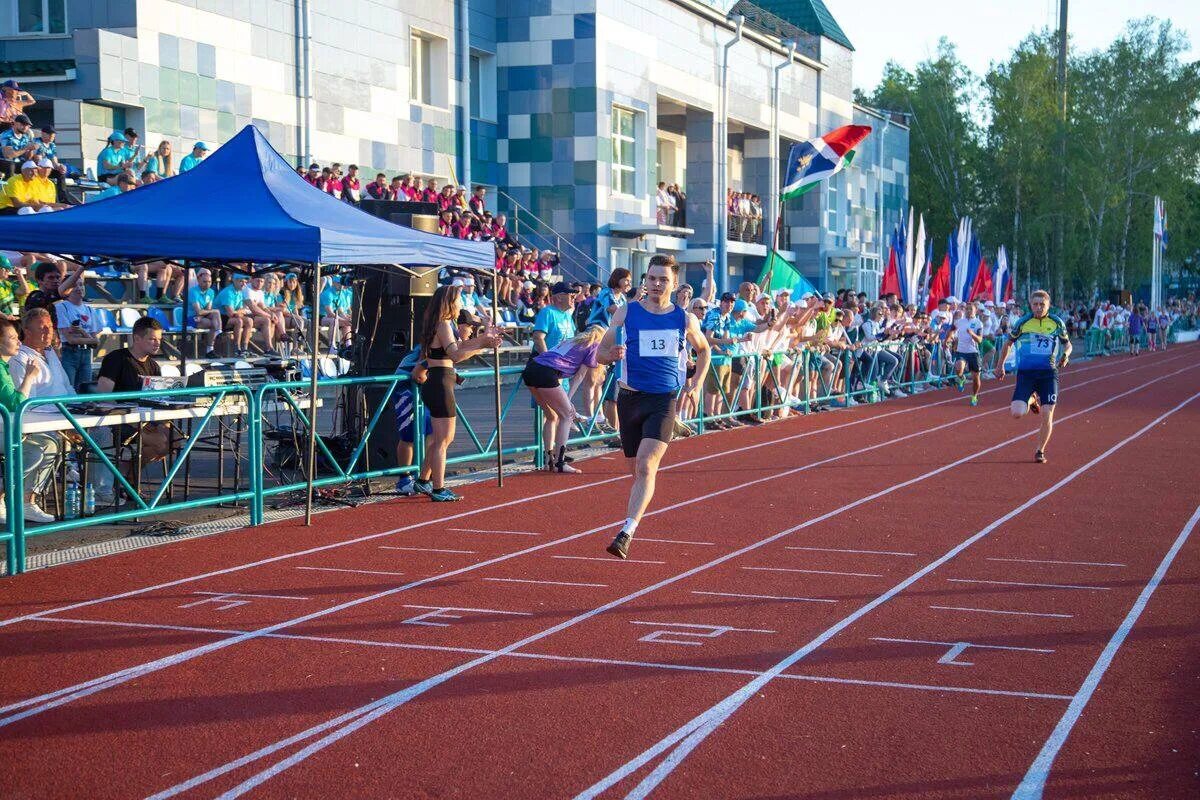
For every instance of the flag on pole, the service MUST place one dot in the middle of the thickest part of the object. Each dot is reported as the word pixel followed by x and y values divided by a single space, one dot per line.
pixel 1001 277
pixel 916 262
pixel 982 288
pixel 928 273
pixel 939 288
pixel 891 275
pixel 779 273
pixel 815 160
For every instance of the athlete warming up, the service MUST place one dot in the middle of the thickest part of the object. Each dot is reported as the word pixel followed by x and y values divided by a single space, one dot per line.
pixel 1043 347
pixel 655 331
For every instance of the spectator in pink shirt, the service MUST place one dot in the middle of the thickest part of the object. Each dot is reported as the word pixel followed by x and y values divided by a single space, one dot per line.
pixel 351 186
pixel 334 185
pixel 499 232
pixel 378 188
pixel 430 195
pixel 446 198
pixel 313 176
pixel 477 203
pixel 446 222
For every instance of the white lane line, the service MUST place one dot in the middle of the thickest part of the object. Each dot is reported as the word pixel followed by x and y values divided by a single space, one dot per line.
pixel 681 742
pixel 355 571
pixel 248 594
pixel 952 644
pixel 565 490
pixel 1031 585
pixel 816 572
pixel 1068 563
pixel 839 550
pixel 425 549
pixel 610 560
pixel 1034 782
pixel 477 610
pixel 672 541
pixel 768 597
pixel 347 723
pixel 674 667
pixel 1009 613
pixel 546 583
pixel 480 530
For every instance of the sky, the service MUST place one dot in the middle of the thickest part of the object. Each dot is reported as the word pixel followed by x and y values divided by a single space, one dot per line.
pixel 987 30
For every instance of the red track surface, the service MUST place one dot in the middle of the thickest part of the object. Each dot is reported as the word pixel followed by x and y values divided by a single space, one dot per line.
pixel 788 549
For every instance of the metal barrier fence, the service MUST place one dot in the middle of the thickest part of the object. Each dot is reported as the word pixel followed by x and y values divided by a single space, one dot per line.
pixel 796 381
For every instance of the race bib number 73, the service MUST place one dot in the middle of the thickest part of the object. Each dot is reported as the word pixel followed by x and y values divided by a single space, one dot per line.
pixel 658 344
pixel 1041 345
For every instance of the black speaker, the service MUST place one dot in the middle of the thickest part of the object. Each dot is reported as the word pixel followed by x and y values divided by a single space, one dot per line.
pixel 419 216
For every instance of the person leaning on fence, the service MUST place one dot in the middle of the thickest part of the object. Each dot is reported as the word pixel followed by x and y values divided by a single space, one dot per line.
pixel 441 349
pixel 11 395
pixel 40 450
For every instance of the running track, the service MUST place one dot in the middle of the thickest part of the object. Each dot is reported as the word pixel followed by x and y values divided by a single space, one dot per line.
pixel 1024 629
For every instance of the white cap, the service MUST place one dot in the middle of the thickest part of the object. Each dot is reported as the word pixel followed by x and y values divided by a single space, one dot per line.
pixel 953 299
pixel 807 296
pixel 30 164
pixel 45 164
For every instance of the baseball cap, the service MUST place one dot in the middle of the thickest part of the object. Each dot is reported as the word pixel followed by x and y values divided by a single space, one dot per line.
pixel 780 292
pixel 200 146
pixel 5 263
pixel 10 84
pixel 21 118
pixel 45 164
pixel 829 297
pixel 740 305
pixel 30 164
pixel 116 136
pixel 47 129
pixel 562 287
pixel 808 296
pixel 728 297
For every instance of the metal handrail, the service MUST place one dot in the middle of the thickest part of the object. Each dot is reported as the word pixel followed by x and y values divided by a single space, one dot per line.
pixel 549 227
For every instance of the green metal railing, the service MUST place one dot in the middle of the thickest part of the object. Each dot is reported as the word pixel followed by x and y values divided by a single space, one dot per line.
pixel 766 385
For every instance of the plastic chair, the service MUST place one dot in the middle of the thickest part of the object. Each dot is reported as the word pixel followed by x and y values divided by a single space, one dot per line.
pixel 169 370
pixel 158 314
pixel 105 319
pixel 126 317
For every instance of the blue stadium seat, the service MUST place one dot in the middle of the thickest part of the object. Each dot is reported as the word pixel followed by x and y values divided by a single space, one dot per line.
pixel 157 313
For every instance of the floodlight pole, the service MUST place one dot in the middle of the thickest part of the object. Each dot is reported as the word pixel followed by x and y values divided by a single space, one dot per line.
pixel 312 391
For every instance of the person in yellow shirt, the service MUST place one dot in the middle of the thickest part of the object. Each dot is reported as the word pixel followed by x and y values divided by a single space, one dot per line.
pixel 27 191
pixel 47 192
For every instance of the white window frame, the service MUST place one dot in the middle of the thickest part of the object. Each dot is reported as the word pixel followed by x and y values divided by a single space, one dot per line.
pixel 16 20
pixel 433 69
pixel 617 168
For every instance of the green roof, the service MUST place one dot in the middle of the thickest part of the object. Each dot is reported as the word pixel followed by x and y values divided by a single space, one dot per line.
pixel 35 68
pixel 808 15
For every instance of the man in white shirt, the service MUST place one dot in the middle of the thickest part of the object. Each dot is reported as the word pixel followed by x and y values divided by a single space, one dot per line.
pixel 39 450
pixel 967 333
pixel 254 300
pixel 78 328
pixel 886 362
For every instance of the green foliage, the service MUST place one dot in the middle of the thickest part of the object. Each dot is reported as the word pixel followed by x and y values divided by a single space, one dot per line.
pixel 988 147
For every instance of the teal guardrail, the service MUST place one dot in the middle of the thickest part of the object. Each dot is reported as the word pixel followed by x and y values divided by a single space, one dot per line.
pixel 793 380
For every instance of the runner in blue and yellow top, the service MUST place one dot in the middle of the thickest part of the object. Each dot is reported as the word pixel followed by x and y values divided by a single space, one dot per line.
pixel 1043 347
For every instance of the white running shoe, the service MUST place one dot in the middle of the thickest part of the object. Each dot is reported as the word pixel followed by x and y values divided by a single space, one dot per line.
pixel 35 514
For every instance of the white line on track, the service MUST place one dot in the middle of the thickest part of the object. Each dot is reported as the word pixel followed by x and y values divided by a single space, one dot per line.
pixel 465 608
pixel 673 541
pixel 347 723
pixel 1034 782
pixel 546 583
pixel 522 500
pixel 681 742
pixel 58 697
pixel 480 530
pixel 424 549
pixel 355 571
pixel 671 666
pixel 816 572
pixel 951 644
pixel 1067 563
pixel 1031 585
pixel 840 550
pixel 610 559
pixel 768 597
pixel 1008 613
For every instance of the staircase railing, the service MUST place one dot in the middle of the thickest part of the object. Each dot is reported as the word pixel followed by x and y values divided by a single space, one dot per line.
pixel 532 229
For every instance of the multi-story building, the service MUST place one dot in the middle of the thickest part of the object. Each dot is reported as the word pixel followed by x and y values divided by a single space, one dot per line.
pixel 572 111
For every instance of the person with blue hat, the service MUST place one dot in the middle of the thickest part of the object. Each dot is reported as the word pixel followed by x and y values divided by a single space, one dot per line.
pixel 113 159
pixel 193 159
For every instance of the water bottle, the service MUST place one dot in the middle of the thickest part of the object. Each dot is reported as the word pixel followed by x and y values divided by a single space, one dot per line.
pixel 89 500
pixel 71 502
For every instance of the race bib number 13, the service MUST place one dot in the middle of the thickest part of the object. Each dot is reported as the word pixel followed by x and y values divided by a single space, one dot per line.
pixel 658 344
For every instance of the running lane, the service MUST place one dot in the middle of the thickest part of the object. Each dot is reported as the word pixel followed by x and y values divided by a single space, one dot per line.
pixel 538 698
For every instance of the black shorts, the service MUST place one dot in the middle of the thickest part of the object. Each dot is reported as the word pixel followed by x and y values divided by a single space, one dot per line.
pixel 644 416
pixel 972 360
pixel 539 376
pixel 437 392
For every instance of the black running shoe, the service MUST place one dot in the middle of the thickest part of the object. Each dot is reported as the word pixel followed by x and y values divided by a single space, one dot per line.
pixel 620 545
pixel 1040 457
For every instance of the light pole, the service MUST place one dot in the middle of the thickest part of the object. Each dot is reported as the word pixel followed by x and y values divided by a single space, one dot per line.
pixel 722 158
pixel 774 211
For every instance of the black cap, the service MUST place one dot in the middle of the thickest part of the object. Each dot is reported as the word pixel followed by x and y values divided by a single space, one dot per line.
pixel 21 118
pixel 47 129
pixel 728 297
pixel 562 287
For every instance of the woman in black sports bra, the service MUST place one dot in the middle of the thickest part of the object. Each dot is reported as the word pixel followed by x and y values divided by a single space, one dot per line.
pixel 440 350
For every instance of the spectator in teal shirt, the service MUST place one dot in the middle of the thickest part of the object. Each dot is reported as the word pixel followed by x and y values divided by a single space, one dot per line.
pixel 192 160
pixel 237 320
pixel 202 311
pixel 335 311
pixel 555 323
pixel 113 159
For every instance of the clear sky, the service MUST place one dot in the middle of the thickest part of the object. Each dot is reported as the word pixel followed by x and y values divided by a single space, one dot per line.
pixel 987 30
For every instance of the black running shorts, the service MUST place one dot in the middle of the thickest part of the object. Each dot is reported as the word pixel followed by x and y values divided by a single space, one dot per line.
pixel 644 416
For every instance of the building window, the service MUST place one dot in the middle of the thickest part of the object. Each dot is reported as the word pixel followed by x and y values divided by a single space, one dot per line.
pixel 483 85
pixel 41 16
pixel 624 155
pixel 427 74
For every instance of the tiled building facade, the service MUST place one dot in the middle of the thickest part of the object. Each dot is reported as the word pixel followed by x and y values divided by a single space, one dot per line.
pixel 575 108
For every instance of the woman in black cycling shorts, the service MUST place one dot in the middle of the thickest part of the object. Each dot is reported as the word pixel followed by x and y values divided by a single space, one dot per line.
pixel 440 350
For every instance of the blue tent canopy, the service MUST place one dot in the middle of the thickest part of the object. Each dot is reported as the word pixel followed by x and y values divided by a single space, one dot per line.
pixel 243 203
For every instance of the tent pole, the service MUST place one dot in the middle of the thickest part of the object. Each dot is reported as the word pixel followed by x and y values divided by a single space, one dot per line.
pixel 315 293
pixel 496 378
pixel 183 326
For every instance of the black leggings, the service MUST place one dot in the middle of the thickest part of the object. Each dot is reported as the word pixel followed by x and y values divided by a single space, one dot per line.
pixel 437 392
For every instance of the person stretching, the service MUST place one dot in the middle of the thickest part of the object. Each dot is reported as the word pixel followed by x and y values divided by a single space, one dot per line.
pixel 656 330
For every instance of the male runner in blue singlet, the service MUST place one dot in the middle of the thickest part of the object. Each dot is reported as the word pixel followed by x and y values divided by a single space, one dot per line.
pixel 1040 338
pixel 655 332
